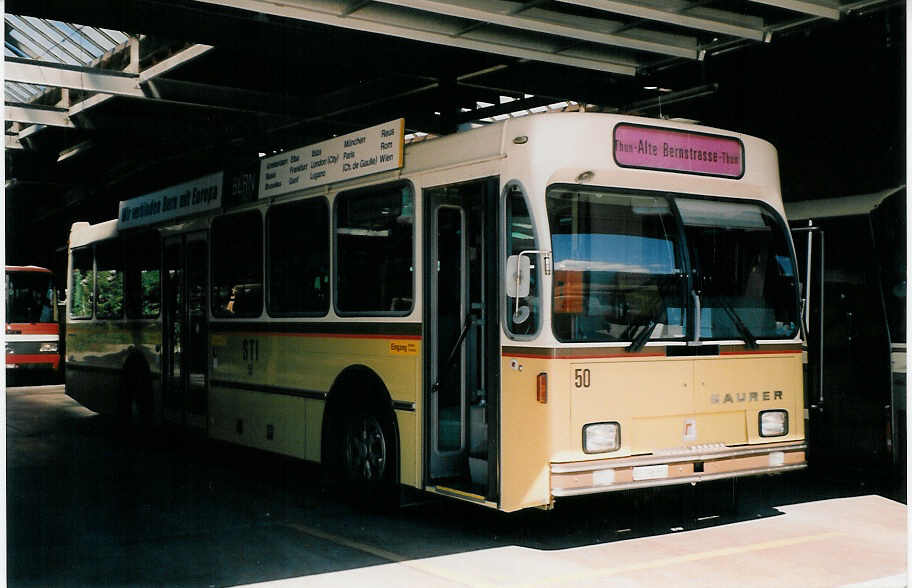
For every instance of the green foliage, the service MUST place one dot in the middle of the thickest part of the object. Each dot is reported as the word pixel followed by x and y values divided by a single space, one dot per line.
pixel 109 288
pixel 83 292
pixel 150 282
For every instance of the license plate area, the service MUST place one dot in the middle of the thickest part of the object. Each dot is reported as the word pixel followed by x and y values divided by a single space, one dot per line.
pixel 650 472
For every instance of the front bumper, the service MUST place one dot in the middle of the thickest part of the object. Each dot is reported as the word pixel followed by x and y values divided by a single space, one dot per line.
pixel 677 466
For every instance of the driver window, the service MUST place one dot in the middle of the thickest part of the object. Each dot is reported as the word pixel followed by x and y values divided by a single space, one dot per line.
pixel 520 236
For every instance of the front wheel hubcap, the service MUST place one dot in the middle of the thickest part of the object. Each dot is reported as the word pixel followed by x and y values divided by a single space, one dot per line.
pixel 365 449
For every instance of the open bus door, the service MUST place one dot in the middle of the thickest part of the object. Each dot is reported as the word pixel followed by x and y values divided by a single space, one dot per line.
pixel 185 371
pixel 463 346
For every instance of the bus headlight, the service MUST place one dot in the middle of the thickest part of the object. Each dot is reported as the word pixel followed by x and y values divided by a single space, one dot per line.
pixel 48 348
pixel 774 423
pixel 601 437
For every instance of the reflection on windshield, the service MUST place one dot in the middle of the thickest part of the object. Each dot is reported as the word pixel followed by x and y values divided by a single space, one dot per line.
pixel 745 272
pixel 616 268
pixel 29 297
pixel 619 268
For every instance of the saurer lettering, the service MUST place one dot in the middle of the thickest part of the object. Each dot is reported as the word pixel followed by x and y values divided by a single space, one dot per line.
pixel 740 397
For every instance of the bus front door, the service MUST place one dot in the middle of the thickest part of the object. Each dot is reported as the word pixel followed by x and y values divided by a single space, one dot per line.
pixel 460 360
pixel 186 340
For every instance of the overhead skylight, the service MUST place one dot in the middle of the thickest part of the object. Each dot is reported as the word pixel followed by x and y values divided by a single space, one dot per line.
pixel 40 39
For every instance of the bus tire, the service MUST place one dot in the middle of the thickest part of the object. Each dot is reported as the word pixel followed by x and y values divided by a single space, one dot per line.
pixel 366 449
pixel 360 449
pixel 368 459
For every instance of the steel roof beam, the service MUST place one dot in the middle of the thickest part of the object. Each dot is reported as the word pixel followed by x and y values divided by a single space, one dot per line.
pixel 46 115
pixel 819 8
pixel 12 142
pixel 683 14
pixel 88 79
pixel 595 30
pixel 412 25
pixel 150 73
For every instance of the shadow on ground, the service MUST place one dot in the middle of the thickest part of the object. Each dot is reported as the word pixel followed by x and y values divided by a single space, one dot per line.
pixel 90 505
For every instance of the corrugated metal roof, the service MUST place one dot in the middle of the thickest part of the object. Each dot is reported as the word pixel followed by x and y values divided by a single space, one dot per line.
pixel 53 41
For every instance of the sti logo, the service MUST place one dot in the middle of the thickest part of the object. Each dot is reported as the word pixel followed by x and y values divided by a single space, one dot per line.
pixel 742 397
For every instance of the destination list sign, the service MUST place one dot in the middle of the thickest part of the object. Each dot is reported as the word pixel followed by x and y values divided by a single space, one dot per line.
pixel 195 196
pixel 680 151
pixel 365 152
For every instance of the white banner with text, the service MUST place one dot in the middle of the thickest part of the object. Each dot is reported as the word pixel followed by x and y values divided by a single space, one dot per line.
pixel 193 197
pixel 368 151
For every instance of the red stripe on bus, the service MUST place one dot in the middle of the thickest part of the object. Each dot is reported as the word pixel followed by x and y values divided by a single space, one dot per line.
pixel 33 328
pixel 322 335
pixel 761 352
pixel 24 358
pixel 557 356
pixel 616 355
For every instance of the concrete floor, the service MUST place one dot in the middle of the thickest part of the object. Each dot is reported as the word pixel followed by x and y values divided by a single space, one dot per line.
pixel 89 506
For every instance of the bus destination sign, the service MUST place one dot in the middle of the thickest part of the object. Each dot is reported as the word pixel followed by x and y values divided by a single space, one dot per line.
pixel 674 150
pixel 368 151
pixel 193 197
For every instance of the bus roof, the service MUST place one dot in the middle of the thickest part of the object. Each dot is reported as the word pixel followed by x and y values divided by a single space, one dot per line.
pixel 27 268
pixel 82 233
pixel 571 142
pixel 836 207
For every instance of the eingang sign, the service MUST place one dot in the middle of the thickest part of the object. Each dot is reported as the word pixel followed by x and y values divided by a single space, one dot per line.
pixel 674 150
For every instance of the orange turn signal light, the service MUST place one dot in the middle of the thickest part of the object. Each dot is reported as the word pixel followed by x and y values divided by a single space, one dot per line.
pixel 541 388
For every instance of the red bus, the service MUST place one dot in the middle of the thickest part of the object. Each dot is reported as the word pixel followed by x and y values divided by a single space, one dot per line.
pixel 32 330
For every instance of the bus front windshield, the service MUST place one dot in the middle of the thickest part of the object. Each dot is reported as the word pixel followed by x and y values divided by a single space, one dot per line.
pixel 619 264
pixel 29 297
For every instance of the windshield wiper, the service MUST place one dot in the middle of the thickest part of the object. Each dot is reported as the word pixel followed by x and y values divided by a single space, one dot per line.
pixel 749 339
pixel 643 336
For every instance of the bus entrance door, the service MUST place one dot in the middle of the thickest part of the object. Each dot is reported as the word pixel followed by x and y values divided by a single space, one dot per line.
pixel 186 365
pixel 458 346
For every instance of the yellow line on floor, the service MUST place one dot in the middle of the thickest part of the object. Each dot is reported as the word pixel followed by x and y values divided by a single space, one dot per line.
pixel 384 554
pixel 375 551
pixel 691 557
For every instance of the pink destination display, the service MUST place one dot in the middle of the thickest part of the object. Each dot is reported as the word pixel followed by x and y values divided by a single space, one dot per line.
pixel 679 151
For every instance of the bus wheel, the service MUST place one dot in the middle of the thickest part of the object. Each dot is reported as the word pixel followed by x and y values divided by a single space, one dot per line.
pixel 368 459
pixel 366 451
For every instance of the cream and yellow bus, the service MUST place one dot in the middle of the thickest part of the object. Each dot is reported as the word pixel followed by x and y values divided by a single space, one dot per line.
pixel 549 306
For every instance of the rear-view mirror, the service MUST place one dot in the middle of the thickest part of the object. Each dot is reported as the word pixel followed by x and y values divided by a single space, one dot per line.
pixel 518 276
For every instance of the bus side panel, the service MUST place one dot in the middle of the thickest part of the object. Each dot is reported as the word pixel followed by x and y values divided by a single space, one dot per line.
pixel 526 435
pixel 96 354
pixel 281 379
pixel 92 388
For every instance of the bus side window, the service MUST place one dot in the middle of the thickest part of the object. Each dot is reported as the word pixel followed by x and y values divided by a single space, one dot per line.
pixel 109 299
pixel 143 276
pixel 520 236
pixel 82 295
pixel 297 248
pixel 237 265
pixel 375 250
